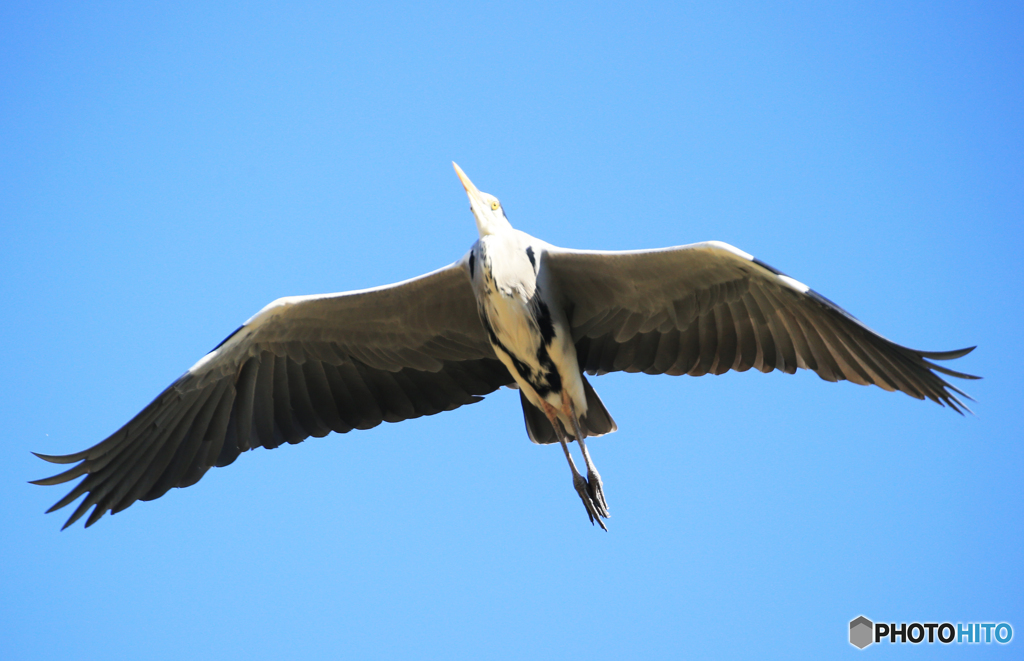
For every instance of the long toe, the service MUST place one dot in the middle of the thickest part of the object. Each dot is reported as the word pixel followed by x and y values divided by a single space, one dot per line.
pixel 596 491
pixel 580 484
pixel 583 489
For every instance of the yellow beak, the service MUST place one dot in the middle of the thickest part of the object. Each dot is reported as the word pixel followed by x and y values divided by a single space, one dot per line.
pixel 466 183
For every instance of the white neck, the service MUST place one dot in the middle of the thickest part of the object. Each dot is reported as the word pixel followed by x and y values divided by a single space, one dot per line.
pixel 489 221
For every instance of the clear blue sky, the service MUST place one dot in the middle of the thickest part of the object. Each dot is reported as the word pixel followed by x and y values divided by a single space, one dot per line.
pixel 166 172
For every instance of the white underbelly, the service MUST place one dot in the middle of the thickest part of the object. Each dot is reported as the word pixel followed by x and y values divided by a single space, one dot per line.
pixel 513 323
pixel 521 349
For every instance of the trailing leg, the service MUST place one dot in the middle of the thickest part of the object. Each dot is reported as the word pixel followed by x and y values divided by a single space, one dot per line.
pixel 579 482
pixel 594 484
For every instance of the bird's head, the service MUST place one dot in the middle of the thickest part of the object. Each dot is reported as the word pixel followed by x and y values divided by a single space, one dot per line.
pixel 490 217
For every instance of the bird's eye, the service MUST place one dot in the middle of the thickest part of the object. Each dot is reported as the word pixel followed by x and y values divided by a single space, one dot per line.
pixel 495 205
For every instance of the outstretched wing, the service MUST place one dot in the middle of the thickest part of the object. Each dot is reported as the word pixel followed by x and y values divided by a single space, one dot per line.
pixel 710 308
pixel 303 366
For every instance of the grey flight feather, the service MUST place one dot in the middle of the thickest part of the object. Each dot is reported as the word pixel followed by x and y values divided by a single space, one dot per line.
pixel 710 308
pixel 303 366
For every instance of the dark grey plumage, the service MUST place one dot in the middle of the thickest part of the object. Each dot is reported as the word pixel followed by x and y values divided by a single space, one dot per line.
pixel 708 308
pixel 342 365
pixel 311 365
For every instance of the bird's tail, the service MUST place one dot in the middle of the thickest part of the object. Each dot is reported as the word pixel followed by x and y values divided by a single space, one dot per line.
pixel 597 421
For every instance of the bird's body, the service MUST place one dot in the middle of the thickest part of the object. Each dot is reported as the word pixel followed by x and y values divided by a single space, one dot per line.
pixel 514 311
pixel 530 336
pixel 529 332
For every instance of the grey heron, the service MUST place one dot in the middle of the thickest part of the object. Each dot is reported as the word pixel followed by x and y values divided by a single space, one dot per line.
pixel 514 311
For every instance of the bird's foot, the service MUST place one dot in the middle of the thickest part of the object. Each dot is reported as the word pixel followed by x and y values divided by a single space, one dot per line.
pixel 596 490
pixel 594 510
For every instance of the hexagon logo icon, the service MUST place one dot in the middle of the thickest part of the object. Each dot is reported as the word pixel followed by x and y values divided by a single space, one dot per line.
pixel 861 629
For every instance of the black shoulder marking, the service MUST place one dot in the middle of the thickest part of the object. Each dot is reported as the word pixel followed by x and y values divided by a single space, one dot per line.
pixel 472 262
pixel 822 300
pixel 767 267
pixel 533 261
pixel 813 294
pixel 227 338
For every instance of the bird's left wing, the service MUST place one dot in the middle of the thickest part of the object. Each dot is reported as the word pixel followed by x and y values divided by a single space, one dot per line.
pixel 710 308
pixel 303 366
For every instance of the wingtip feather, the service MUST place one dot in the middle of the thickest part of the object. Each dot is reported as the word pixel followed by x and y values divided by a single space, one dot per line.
pixel 62 458
pixel 61 478
pixel 948 355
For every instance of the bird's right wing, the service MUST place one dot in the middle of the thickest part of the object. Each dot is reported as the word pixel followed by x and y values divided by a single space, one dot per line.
pixel 303 366
pixel 710 308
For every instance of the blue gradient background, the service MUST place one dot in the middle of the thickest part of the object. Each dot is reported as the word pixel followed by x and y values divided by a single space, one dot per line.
pixel 166 172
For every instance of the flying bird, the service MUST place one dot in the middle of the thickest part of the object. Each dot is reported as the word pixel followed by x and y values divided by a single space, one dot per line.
pixel 514 311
